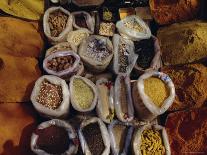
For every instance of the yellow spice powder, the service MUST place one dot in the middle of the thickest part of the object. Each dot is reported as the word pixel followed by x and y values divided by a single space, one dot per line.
pixel 157 90
pixel 83 93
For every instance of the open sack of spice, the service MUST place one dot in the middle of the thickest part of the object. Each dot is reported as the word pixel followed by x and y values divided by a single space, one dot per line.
pixel 133 28
pixel 94 137
pixel 124 56
pixel 151 139
pixel 153 93
pixel 83 20
pixel 123 99
pixel 96 52
pixel 84 94
pixel 54 137
pixel 105 105
pixel 57 23
pixel 63 64
pixel 149 55
pixel 51 97
pixel 63 46
pixel 120 137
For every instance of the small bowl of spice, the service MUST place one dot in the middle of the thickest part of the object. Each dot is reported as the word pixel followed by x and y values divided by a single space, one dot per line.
pixel 83 20
pixel 94 137
pixel 57 23
pixel 151 139
pixel 83 94
pixel 105 106
pixel 51 97
pixel 153 94
pixel 54 137
pixel 62 64
pixel 149 55
pixel 64 46
pixel 120 136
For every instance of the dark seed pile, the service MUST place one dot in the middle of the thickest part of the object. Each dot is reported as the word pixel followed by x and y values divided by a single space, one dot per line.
pixel 145 50
pixel 80 20
pixel 123 57
pixel 53 139
pixel 93 137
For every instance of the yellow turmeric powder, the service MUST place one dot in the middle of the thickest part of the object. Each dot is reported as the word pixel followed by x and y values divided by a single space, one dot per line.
pixel 29 9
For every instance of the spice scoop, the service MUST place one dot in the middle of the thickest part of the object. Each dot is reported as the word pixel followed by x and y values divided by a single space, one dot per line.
pixel 151 139
pixel 54 137
pixel 120 137
pixel 94 137
pixel 64 46
pixel 105 106
pixel 83 20
pixel 123 100
pixel 63 64
pixel 96 52
pixel 153 94
pixel 133 28
pixel 57 23
pixel 84 94
pixel 50 96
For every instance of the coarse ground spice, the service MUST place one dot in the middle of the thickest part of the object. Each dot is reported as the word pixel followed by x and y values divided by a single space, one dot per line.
pixel 123 96
pixel 151 143
pixel 123 57
pixel 93 137
pixel 157 90
pixel 53 139
pixel 80 20
pixel 107 29
pixel 145 50
pixel 57 22
pixel 83 93
pixel 120 133
pixel 134 25
pixel 50 95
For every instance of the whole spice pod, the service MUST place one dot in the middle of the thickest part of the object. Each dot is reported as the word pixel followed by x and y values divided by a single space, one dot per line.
pixel 133 28
pixel 153 93
pixel 51 97
pixel 64 46
pixel 149 55
pixel 94 137
pixel 57 23
pixel 123 99
pixel 124 56
pixel 54 137
pixel 151 139
pixel 105 106
pixel 96 52
pixel 120 137
pixel 83 94
pixel 83 20
pixel 63 64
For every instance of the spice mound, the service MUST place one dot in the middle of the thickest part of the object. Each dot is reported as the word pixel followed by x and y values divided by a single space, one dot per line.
pixel 107 29
pixel 157 90
pixel 61 63
pixel 152 143
pixel 83 93
pixel 123 57
pixel 145 50
pixel 76 37
pixel 50 95
pixel 97 49
pixel 57 22
pixel 134 25
pixel 53 139
pixel 93 137
pixel 80 20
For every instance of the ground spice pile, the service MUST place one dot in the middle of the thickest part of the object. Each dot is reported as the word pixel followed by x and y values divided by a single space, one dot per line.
pixel 123 96
pixel 83 93
pixel 157 90
pixel 50 95
pixel 123 57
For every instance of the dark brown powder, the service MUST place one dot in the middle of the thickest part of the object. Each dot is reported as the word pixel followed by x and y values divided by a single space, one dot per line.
pixel 80 20
pixel 93 137
pixel 123 96
pixel 53 139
